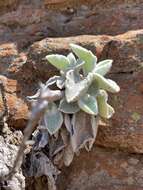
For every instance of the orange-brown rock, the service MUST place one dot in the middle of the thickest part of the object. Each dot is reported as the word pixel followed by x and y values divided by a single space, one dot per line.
pixel 8 53
pixel 29 21
pixel 111 29
pixel 125 129
pixel 125 50
pixel 40 49
pixel 17 107
pixel 100 169
pixel 103 169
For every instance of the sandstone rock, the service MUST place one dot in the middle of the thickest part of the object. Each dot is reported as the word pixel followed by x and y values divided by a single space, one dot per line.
pixel 125 130
pixel 18 109
pixel 8 54
pixel 125 50
pixel 38 51
pixel 100 169
pixel 22 66
pixel 33 20
pixel 103 169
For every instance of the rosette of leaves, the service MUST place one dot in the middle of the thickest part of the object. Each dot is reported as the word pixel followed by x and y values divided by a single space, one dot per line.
pixel 84 86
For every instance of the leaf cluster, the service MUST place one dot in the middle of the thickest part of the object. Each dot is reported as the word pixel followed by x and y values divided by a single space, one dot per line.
pixel 84 88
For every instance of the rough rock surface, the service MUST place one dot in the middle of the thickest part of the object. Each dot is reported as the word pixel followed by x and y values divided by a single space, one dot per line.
pixel 103 169
pixel 18 109
pixel 8 151
pixel 112 29
pixel 27 21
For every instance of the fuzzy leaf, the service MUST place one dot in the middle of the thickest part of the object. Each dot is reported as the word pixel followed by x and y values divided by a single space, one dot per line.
pixel 71 58
pixel 85 55
pixel 88 104
pixel 61 82
pixel 75 87
pixel 77 66
pixel 84 131
pixel 68 155
pixel 67 122
pixel 106 84
pixel 68 107
pixel 94 124
pixel 53 118
pixel 52 80
pixel 103 67
pixel 105 110
pixel 35 96
pixel 61 62
pixel 93 89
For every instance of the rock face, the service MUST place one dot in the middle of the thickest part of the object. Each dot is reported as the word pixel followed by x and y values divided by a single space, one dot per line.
pixel 27 21
pixel 8 152
pixel 112 29
pixel 103 169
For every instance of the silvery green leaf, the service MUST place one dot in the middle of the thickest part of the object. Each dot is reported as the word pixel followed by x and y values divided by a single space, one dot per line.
pixel 51 95
pixel 61 62
pixel 42 85
pixel 53 118
pixel 67 122
pixel 106 84
pixel 40 137
pixel 88 104
pixel 68 155
pixel 34 97
pixel 84 132
pixel 105 110
pixel 61 82
pixel 103 67
pixel 94 123
pixel 68 107
pixel 52 80
pixel 71 58
pixel 93 89
pixel 77 66
pixel 75 87
pixel 111 111
pixel 85 55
